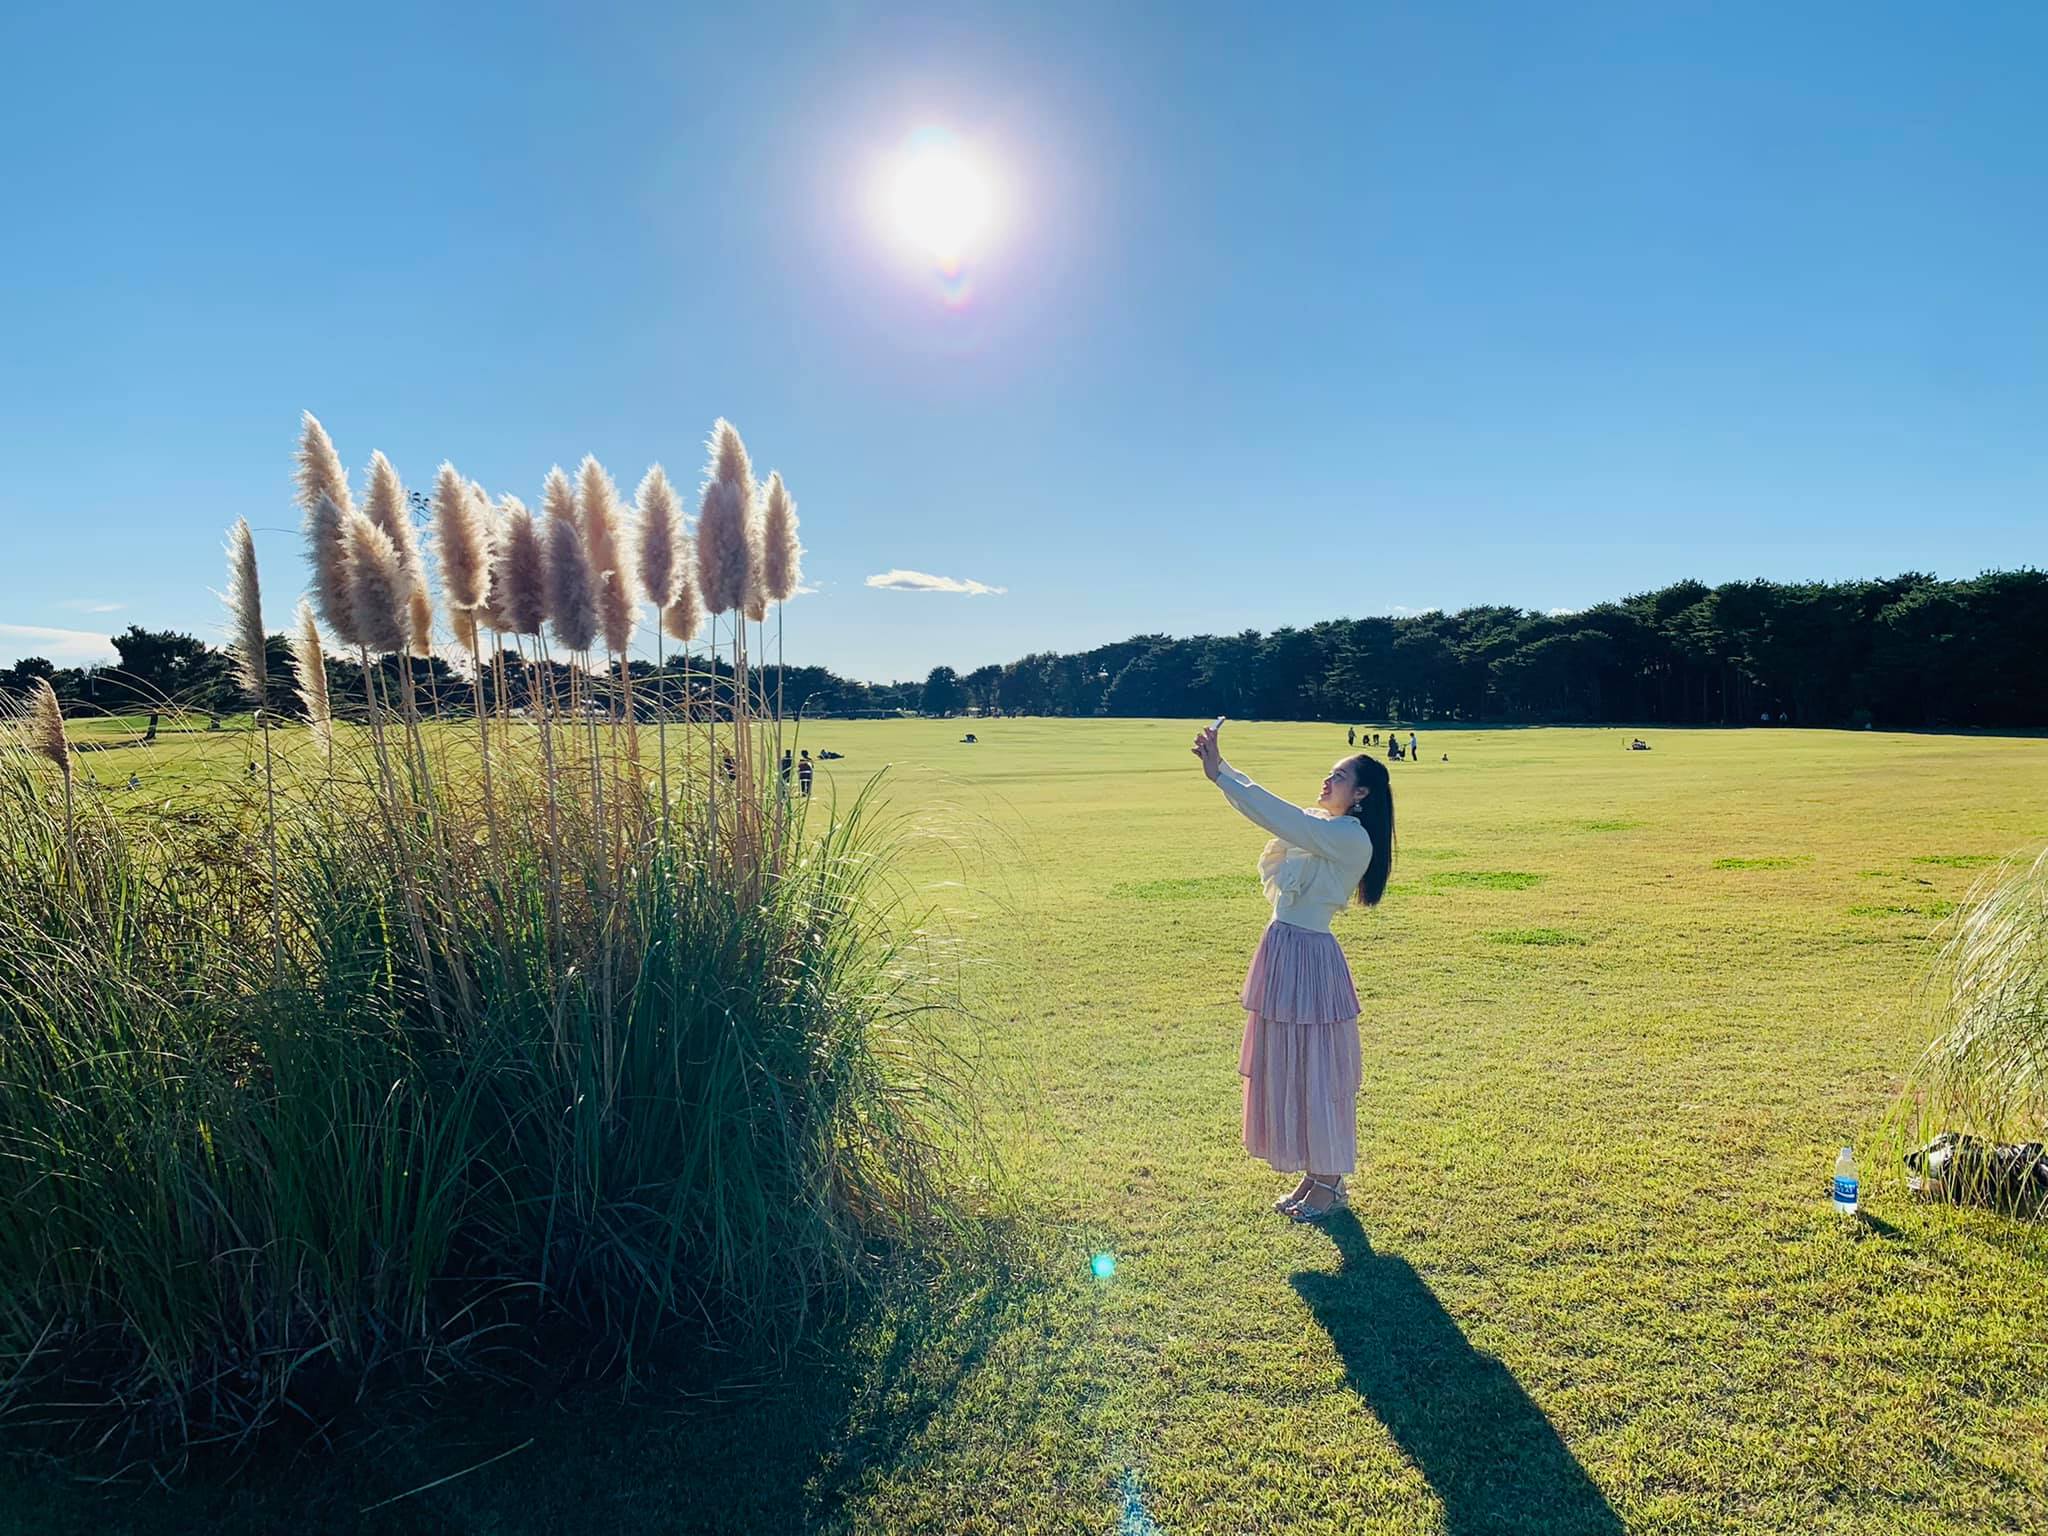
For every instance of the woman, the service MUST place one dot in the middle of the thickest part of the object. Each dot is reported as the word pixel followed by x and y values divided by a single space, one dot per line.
pixel 1300 1056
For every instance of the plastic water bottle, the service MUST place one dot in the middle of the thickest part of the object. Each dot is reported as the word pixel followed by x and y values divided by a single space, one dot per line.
pixel 1845 1183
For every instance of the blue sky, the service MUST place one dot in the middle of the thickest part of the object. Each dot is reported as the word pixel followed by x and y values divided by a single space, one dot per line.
pixel 1297 312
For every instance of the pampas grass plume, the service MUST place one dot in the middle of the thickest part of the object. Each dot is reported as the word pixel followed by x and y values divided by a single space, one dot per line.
pixel 755 542
pixel 461 543
pixel 490 527
pixel 385 506
pixel 685 616
pixel 572 592
pixel 661 537
pixel 245 615
pixel 721 549
pixel 520 583
pixel 46 726
pixel 378 586
pixel 781 555
pixel 320 472
pixel 604 541
pixel 324 498
pixel 726 542
pixel 310 665
pixel 729 461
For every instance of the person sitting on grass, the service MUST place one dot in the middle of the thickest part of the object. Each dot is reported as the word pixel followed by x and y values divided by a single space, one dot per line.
pixel 1300 1055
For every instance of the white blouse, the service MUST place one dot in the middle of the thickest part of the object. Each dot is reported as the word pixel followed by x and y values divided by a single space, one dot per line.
pixel 1313 865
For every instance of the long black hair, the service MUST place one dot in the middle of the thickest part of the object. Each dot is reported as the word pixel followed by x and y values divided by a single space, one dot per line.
pixel 1376 815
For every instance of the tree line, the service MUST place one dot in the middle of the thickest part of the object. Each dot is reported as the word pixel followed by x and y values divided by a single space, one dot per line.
pixel 1908 652
pixel 167 669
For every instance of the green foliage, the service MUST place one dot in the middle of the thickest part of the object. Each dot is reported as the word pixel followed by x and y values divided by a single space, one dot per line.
pixel 1764 861
pixel 1542 938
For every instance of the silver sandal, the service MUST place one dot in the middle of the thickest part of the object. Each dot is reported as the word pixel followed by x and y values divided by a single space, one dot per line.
pixel 1309 1217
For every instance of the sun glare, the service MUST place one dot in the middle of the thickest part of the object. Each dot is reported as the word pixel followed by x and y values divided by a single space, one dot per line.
pixel 941 200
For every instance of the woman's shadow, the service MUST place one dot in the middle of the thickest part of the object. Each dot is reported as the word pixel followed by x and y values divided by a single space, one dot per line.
pixel 1485 1448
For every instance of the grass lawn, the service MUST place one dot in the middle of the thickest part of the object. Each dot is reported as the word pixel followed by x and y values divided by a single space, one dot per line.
pixel 1621 1010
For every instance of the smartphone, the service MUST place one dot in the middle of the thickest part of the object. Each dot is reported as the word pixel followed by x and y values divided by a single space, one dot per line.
pixel 1218 725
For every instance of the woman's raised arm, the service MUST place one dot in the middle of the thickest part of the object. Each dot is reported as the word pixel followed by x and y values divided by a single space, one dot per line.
pixel 1339 838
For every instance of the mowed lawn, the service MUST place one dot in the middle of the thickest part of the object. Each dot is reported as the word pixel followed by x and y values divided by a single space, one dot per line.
pixel 1621 1010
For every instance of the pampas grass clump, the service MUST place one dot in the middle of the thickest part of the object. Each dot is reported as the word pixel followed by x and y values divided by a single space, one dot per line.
pixel 1986 1072
pixel 530 1049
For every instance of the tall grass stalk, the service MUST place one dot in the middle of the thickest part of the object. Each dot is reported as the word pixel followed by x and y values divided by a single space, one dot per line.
pixel 250 653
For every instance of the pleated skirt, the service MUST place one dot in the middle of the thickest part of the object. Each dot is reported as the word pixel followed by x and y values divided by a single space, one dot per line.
pixel 1300 1056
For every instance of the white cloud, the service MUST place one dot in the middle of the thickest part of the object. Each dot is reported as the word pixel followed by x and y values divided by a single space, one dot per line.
pixel 919 581
pixel 1403 611
pixel 89 605
pixel 66 647
pixel 1562 613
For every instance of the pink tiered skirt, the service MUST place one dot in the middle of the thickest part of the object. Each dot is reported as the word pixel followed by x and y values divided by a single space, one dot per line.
pixel 1300 1057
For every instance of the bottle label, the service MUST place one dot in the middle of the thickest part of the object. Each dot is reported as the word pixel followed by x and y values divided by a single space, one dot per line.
pixel 1845 1191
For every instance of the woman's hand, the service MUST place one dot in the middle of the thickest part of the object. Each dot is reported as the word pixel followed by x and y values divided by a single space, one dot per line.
pixel 1206 749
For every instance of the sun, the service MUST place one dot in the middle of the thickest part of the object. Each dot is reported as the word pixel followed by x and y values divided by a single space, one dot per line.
pixel 940 198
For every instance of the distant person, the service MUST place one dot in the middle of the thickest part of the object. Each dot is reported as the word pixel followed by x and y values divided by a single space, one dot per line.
pixel 1783 718
pixel 1393 748
pixel 788 767
pixel 134 781
pixel 732 770
pixel 1350 736
pixel 1445 758
pixel 1300 1056
pixel 804 770
pixel 1413 750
